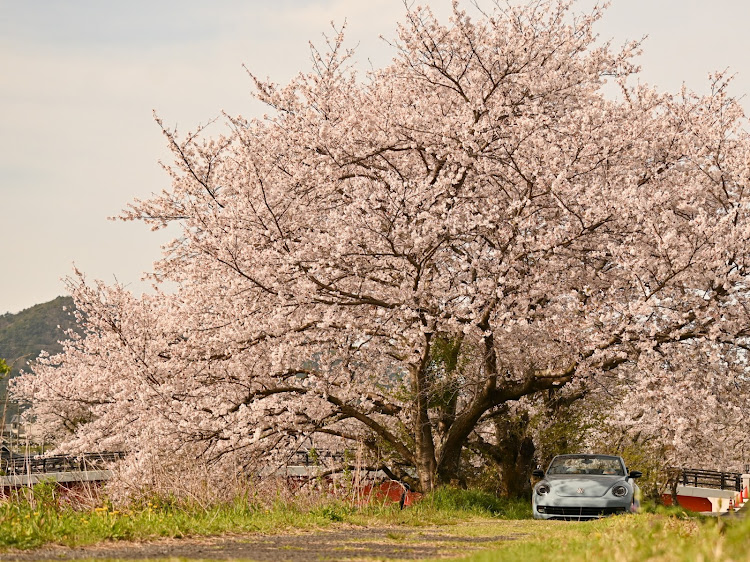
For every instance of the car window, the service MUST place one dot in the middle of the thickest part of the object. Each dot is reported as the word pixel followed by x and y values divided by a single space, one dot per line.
pixel 586 465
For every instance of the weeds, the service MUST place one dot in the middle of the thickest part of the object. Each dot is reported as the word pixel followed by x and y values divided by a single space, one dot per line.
pixel 650 536
pixel 50 514
pixel 476 502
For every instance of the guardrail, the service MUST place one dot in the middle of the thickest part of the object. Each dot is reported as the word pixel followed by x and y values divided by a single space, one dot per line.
pixel 40 464
pixel 711 479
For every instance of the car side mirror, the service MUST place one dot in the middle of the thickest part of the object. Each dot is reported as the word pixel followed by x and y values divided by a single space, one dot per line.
pixel 635 474
pixel 538 473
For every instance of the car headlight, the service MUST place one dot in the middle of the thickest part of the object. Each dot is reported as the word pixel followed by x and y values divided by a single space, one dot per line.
pixel 619 491
pixel 542 489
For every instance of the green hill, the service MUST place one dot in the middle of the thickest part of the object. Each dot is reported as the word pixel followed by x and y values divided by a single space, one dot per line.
pixel 25 334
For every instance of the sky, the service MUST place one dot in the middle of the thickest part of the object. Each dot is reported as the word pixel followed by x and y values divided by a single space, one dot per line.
pixel 80 81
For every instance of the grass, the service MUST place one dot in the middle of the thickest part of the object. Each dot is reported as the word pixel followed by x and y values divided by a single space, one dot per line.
pixel 23 525
pixel 662 536
pixel 33 518
pixel 480 526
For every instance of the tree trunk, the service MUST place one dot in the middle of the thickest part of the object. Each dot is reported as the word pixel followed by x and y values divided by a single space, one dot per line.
pixel 516 469
pixel 425 457
pixel 426 464
pixel 448 468
pixel 673 492
pixel 514 454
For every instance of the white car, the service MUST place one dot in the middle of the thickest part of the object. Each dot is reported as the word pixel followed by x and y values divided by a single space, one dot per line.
pixel 579 487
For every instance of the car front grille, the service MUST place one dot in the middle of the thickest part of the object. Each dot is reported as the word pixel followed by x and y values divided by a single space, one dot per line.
pixel 580 511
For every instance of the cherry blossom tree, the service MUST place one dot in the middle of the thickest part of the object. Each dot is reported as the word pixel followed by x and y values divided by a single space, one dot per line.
pixel 393 260
pixel 697 415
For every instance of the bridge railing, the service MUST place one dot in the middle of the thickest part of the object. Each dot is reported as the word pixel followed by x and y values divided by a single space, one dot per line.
pixel 711 479
pixel 318 456
pixel 41 464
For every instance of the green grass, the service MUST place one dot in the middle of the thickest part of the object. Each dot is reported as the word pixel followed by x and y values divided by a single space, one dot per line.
pixel 35 518
pixel 648 536
pixel 478 525
pixel 454 500
pixel 23 525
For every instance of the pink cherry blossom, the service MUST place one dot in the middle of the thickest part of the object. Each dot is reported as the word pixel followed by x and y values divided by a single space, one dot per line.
pixel 389 259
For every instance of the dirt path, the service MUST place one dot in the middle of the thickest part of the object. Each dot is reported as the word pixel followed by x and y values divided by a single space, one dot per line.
pixel 355 543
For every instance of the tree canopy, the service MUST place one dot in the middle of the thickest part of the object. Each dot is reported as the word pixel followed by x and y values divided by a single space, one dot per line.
pixel 393 259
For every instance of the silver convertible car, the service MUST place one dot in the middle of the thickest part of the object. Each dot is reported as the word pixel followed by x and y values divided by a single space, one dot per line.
pixel 579 487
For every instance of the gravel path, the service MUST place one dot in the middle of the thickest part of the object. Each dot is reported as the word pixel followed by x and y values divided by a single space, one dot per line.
pixel 355 543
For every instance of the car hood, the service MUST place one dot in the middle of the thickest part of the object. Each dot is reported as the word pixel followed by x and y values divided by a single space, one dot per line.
pixel 582 486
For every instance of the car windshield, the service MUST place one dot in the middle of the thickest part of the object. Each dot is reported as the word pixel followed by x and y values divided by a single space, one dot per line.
pixel 586 464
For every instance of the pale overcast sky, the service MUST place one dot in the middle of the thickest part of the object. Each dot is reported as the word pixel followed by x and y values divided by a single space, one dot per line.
pixel 79 80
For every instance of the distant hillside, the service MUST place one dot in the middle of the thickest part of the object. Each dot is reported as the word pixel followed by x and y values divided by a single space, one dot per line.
pixel 24 335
